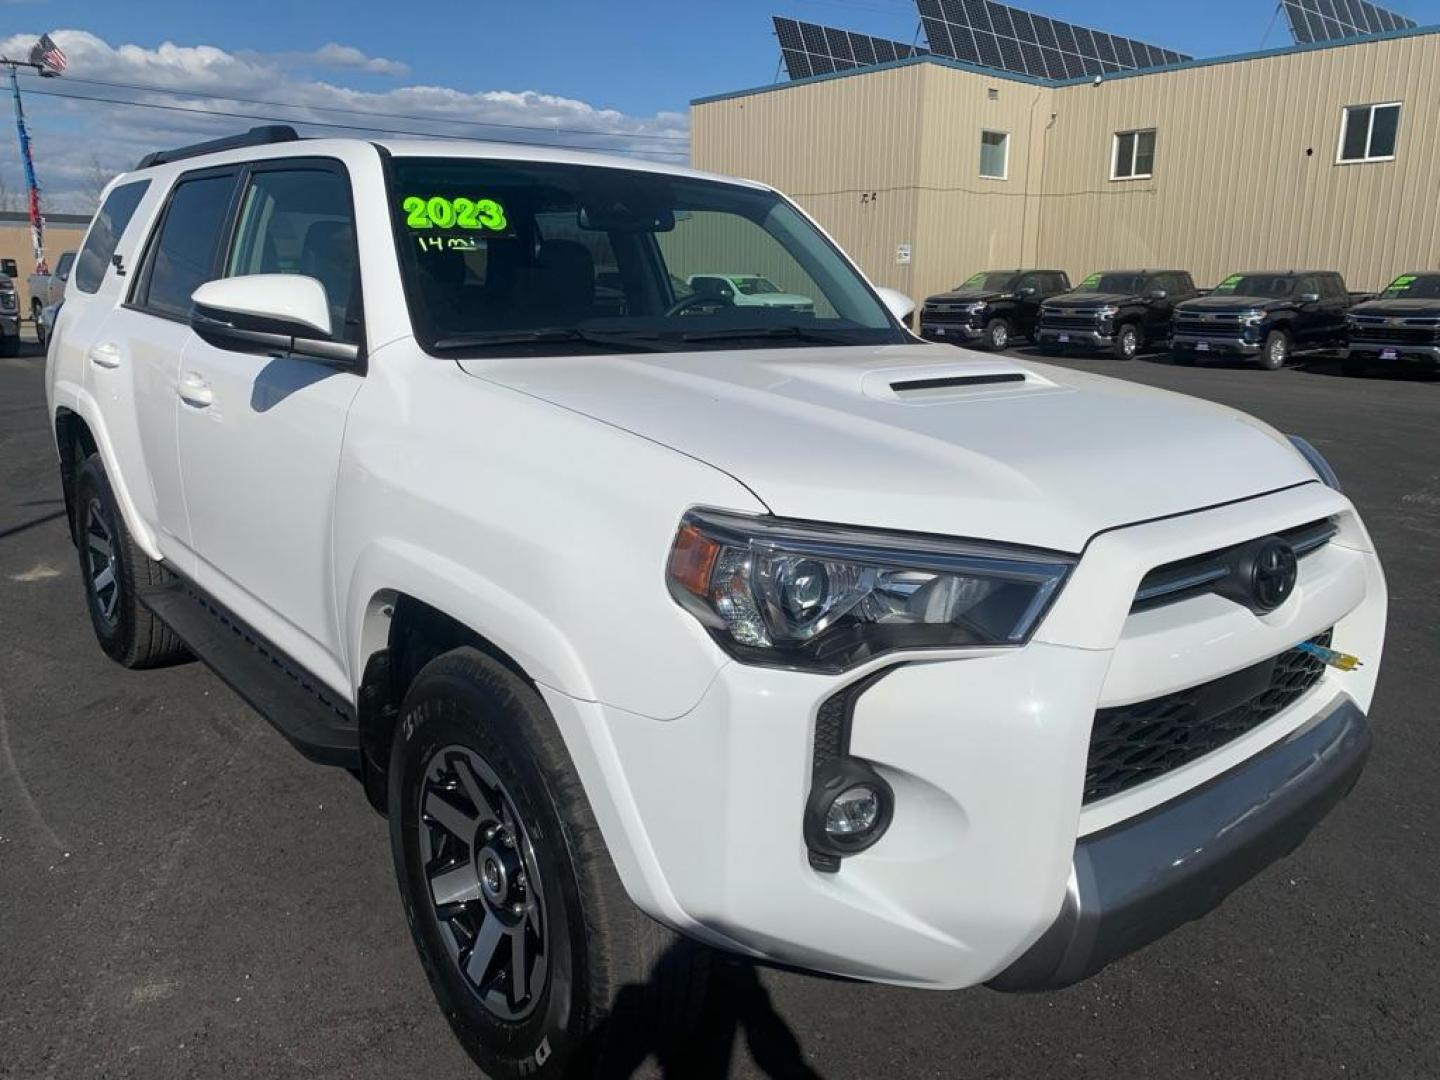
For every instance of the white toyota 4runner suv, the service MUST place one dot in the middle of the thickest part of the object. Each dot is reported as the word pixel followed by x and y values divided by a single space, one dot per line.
pixel 660 624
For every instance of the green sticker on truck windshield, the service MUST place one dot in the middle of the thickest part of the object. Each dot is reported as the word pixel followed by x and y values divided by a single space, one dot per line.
pixel 439 212
pixel 1401 283
pixel 973 280
pixel 1090 282
pixel 1228 285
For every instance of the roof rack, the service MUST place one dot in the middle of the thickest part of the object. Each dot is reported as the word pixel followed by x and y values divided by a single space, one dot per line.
pixel 256 136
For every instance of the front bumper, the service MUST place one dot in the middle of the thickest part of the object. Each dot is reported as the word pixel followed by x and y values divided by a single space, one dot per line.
pixel 1203 343
pixel 986 753
pixel 938 331
pixel 1065 337
pixel 1388 353
pixel 1136 882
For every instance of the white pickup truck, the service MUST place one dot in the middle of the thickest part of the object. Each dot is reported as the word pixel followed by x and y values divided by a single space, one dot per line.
pixel 46 290
pixel 677 624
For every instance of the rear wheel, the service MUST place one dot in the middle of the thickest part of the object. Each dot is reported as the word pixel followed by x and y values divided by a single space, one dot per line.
pixel 1276 351
pixel 1128 342
pixel 997 333
pixel 112 568
pixel 522 925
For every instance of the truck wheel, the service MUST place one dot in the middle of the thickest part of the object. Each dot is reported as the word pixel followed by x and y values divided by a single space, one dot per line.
pixel 997 333
pixel 35 309
pixel 1276 352
pixel 112 568
pixel 1128 342
pixel 519 917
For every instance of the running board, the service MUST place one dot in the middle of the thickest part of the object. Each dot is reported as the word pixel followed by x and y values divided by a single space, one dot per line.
pixel 308 714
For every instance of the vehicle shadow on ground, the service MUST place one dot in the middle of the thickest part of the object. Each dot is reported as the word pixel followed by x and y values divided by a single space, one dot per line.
pixel 736 1005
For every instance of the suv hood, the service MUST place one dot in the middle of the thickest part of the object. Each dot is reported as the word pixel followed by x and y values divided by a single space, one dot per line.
pixel 1413 309
pixel 1048 457
pixel 965 296
pixel 1232 303
pixel 1092 300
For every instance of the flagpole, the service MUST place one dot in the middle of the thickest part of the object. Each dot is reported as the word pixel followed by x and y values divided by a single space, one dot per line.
pixel 37 220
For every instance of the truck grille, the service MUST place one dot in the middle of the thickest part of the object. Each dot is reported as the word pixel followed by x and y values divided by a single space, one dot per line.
pixel 1051 321
pixel 1192 323
pixel 1424 334
pixel 1135 743
pixel 946 316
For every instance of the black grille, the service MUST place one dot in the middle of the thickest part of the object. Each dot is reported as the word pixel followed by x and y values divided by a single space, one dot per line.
pixel 1135 743
pixel 1049 321
pixel 946 317
pixel 1396 335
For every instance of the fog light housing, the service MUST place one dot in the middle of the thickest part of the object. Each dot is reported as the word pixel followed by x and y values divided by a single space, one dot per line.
pixel 849 808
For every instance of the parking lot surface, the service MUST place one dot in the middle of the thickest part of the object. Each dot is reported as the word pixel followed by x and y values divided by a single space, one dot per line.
pixel 181 895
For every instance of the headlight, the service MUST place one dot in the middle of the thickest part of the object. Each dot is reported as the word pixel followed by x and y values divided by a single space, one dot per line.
pixel 977 308
pixel 1253 317
pixel 1109 311
pixel 1317 462
pixel 826 597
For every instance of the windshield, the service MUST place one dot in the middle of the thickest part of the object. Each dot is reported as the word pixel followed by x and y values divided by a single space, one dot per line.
pixel 1413 287
pixel 1125 284
pixel 989 281
pixel 1271 286
pixel 544 257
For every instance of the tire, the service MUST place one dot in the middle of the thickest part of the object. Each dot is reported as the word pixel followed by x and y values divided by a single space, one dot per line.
pixel 1128 342
pixel 35 309
pixel 111 569
pixel 472 732
pixel 1276 351
pixel 998 334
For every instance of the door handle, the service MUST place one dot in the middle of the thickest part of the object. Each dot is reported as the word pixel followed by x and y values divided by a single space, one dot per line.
pixel 106 355
pixel 194 390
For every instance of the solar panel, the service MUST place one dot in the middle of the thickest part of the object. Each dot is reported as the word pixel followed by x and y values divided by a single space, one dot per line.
pixel 1010 39
pixel 810 49
pixel 1331 20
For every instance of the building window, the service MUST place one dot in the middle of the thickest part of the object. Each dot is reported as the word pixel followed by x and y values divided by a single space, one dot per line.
pixel 995 155
pixel 1134 155
pixel 1369 131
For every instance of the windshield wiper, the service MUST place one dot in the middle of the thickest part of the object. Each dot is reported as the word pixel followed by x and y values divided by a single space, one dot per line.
pixel 800 333
pixel 634 341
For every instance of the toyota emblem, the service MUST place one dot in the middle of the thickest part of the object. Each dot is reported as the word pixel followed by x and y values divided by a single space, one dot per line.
pixel 1272 574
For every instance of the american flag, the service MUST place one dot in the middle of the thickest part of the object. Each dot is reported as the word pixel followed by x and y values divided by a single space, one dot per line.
pixel 48 55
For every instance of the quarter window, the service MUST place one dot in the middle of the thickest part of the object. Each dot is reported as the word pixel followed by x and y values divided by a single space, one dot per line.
pixel 1134 155
pixel 299 221
pixel 995 155
pixel 105 234
pixel 1369 132
pixel 183 255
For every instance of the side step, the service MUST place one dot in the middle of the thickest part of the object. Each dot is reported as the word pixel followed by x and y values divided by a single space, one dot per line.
pixel 307 713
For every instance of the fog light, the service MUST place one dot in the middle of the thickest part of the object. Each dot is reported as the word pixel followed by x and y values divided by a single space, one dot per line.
pixel 849 808
pixel 854 812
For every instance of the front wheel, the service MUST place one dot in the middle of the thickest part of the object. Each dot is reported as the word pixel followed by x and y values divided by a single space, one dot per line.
pixel 1276 351
pixel 997 334
pixel 1128 342
pixel 519 917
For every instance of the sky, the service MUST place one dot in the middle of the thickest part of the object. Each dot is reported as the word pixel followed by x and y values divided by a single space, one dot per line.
pixel 591 73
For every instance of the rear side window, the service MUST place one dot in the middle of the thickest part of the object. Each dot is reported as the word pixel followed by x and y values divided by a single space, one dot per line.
pixel 109 225
pixel 182 256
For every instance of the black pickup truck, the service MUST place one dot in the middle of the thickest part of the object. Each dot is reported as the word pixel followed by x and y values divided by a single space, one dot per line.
pixel 1400 326
pixel 1119 310
pixel 1266 316
pixel 991 308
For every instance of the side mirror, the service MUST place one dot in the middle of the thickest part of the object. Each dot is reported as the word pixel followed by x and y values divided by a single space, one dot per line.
pixel 1158 294
pixel 1308 297
pixel 269 314
pixel 900 305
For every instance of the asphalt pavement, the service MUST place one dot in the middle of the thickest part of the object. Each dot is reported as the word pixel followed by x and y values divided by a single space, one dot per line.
pixel 181 895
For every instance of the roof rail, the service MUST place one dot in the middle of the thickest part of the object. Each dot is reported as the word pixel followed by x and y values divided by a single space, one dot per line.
pixel 256 136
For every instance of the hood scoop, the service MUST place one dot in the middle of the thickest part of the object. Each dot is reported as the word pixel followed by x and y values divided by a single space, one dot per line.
pixel 953 382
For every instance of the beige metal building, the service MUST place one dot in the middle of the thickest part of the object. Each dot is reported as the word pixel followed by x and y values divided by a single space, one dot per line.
pixel 927 170
pixel 63 232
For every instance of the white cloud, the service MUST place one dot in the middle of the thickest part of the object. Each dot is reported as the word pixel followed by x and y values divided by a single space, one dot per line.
pixel 70 136
pixel 349 58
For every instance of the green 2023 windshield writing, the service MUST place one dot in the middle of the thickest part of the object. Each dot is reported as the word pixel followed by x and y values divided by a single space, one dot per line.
pixel 438 212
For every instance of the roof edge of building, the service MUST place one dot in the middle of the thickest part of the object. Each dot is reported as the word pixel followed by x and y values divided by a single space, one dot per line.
pixel 1031 80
